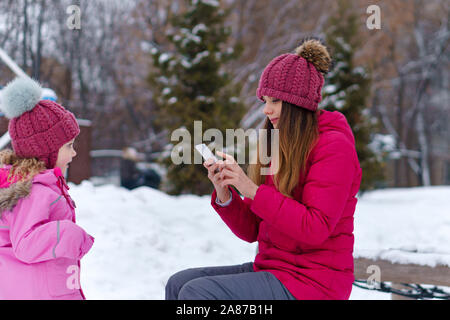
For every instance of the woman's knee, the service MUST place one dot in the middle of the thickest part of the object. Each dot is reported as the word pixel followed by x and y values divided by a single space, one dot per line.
pixel 177 281
pixel 197 289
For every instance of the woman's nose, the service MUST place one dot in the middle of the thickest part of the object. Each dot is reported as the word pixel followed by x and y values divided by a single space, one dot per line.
pixel 267 110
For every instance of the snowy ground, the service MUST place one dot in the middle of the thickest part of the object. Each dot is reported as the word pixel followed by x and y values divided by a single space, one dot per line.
pixel 144 236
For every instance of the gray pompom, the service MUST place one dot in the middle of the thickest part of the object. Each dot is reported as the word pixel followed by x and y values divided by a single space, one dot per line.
pixel 20 96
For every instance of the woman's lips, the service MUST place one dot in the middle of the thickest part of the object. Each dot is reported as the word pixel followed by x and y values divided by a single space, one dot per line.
pixel 274 120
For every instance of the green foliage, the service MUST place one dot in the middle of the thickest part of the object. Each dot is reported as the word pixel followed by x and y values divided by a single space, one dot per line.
pixel 347 89
pixel 191 84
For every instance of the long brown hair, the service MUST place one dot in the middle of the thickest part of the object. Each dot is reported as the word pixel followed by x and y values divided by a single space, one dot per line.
pixel 23 168
pixel 298 132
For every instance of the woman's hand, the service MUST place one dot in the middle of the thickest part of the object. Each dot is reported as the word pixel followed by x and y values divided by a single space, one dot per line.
pixel 232 174
pixel 214 168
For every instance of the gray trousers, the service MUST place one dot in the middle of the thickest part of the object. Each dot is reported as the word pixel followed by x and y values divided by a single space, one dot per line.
pixel 238 282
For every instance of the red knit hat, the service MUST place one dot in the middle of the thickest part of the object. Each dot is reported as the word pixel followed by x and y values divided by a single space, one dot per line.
pixel 297 78
pixel 38 128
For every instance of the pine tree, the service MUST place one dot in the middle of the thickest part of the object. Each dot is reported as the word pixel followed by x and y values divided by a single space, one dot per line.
pixel 347 89
pixel 190 83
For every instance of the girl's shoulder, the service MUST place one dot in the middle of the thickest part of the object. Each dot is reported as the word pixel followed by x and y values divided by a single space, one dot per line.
pixel 12 188
pixel 46 177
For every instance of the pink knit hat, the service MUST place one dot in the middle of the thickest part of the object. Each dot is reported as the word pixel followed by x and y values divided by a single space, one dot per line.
pixel 38 128
pixel 297 78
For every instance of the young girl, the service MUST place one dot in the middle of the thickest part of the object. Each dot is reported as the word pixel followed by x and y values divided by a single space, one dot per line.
pixel 302 214
pixel 40 243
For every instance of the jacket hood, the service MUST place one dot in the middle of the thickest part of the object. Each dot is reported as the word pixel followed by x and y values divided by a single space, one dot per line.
pixel 11 191
pixel 335 121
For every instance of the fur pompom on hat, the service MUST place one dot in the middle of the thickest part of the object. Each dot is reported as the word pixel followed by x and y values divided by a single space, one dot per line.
pixel 316 53
pixel 38 128
pixel 19 96
pixel 297 77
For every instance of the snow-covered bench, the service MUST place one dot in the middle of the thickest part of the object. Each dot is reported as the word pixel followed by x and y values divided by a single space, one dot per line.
pixel 404 235
pixel 384 270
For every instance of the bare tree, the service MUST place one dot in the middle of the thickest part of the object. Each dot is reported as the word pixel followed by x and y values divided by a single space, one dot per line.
pixel 412 85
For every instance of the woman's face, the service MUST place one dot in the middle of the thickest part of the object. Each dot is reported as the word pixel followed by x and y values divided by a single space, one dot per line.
pixel 272 109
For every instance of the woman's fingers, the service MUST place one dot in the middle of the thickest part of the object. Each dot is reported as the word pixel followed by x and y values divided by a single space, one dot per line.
pixel 216 175
pixel 208 162
pixel 216 179
pixel 211 165
pixel 208 167
pixel 228 158
pixel 227 172
pixel 212 171
pixel 227 177
pixel 220 170
pixel 226 182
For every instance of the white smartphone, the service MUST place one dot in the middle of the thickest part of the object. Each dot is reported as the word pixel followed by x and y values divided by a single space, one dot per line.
pixel 206 153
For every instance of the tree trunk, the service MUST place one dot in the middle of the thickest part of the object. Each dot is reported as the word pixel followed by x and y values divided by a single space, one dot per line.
pixel 38 58
pixel 25 33
pixel 398 162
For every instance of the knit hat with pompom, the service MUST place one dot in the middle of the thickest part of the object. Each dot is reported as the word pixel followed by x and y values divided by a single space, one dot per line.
pixel 297 78
pixel 38 128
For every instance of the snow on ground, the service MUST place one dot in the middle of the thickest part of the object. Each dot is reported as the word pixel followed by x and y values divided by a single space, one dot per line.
pixel 143 236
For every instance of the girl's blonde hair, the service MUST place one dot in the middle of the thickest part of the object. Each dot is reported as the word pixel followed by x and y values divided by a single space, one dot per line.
pixel 298 133
pixel 23 168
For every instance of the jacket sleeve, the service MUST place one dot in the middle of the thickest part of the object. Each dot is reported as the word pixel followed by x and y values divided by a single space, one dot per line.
pixel 238 216
pixel 35 238
pixel 325 194
pixel 225 203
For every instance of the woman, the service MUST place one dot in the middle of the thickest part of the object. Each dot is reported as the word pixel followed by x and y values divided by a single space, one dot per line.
pixel 302 215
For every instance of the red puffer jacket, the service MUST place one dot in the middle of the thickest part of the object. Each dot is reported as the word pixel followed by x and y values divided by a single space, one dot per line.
pixel 306 242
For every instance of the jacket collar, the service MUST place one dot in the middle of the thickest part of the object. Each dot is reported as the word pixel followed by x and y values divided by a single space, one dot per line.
pixel 12 190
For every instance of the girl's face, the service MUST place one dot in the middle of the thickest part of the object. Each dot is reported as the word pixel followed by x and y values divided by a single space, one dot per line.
pixel 65 155
pixel 272 109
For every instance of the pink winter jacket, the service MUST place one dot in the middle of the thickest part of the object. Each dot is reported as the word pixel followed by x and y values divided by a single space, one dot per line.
pixel 307 241
pixel 40 244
